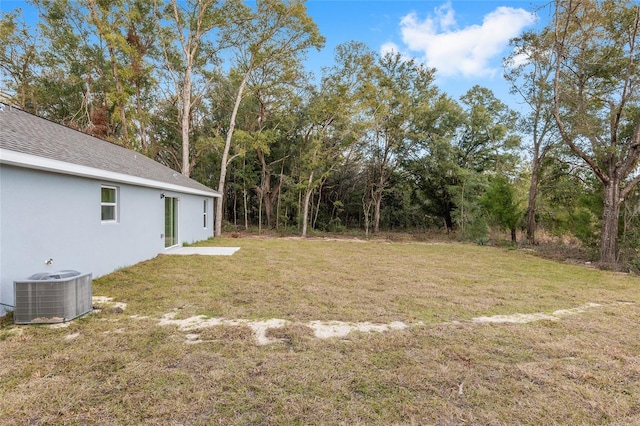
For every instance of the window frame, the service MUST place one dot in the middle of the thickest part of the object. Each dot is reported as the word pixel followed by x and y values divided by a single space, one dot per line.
pixel 205 214
pixel 113 205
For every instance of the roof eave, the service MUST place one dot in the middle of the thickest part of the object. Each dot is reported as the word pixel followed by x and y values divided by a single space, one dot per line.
pixel 30 161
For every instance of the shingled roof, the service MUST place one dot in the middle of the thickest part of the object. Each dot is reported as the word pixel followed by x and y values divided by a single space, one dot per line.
pixel 33 138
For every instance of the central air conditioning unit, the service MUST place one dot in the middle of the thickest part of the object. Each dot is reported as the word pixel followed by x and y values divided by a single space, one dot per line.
pixel 47 298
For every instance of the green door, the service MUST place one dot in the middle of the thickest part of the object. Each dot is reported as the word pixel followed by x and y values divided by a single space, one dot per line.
pixel 170 221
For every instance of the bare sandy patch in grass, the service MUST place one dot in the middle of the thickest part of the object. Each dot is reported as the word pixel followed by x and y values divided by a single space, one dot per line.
pixel 320 329
pixel 72 336
pixel 538 316
pixel 326 330
pixel 99 303
pixel 340 329
pixel 60 325
pixel 259 328
pixel 103 301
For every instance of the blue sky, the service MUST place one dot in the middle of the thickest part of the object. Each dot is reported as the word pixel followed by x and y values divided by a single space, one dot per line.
pixel 464 40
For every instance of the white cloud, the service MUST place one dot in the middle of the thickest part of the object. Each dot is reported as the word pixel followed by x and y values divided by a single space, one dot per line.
pixel 389 47
pixel 518 60
pixel 468 51
pixel 446 16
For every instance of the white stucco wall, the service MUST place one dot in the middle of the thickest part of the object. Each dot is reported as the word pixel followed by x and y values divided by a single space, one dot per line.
pixel 46 215
pixel 191 218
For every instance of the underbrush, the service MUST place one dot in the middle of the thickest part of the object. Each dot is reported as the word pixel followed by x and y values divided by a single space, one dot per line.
pixel 566 248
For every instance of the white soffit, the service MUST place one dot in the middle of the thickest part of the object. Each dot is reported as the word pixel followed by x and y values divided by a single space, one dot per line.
pixel 14 158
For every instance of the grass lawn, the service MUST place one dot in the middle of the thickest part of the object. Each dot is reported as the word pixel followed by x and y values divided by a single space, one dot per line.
pixel 438 365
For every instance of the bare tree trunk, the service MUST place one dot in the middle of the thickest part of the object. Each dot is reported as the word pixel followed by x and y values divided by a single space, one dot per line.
pixel 143 128
pixel 366 209
pixel 267 201
pixel 610 215
pixel 246 213
pixel 235 209
pixel 533 196
pixel 269 193
pixel 184 126
pixel 279 195
pixel 265 189
pixel 259 211
pixel 376 211
pixel 244 195
pixel 379 192
pixel 315 218
pixel 299 209
pixel 305 206
pixel 225 155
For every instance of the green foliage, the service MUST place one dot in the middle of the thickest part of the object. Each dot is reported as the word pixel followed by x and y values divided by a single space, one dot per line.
pixel 435 173
pixel 596 65
pixel 635 266
pixel 482 241
pixel 19 60
pixel 582 224
pixel 489 139
pixel 469 214
pixel 501 203
pixel 375 136
pixel 570 202
pixel 335 225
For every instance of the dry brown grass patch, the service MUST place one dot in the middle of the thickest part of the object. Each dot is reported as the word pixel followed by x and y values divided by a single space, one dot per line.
pixel 125 368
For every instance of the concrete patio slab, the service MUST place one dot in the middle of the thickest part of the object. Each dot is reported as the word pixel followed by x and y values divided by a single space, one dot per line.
pixel 205 251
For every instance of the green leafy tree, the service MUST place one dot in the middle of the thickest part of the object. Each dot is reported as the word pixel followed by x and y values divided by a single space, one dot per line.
pixel 566 185
pixel 270 40
pixel 488 139
pixel 393 92
pixel 330 123
pixel 501 203
pixel 85 65
pixel 19 61
pixel 73 80
pixel 596 58
pixel 469 214
pixel 125 29
pixel 528 71
pixel 434 166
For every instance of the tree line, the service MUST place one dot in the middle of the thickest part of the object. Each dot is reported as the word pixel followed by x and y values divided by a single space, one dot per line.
pixel 217 90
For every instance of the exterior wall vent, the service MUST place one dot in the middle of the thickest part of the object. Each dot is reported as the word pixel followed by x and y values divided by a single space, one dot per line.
pixel 47 298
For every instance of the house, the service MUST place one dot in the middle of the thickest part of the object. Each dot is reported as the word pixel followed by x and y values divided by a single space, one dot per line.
pixel 73 201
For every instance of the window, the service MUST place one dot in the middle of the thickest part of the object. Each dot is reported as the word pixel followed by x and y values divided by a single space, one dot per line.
pixel 204 214
pixel 109 203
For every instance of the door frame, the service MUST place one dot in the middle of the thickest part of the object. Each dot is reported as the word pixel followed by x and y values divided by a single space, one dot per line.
pixel 171 221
